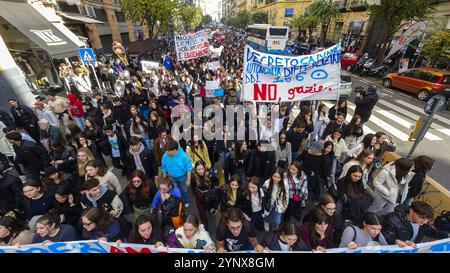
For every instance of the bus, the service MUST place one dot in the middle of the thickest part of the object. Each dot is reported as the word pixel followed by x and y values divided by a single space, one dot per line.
pixel 267 38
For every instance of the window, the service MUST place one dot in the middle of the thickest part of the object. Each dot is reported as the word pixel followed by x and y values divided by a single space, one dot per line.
pixel 89 11
pixel 120 16
pixel 346 79
pixel 258 33
pixel 288 12
pixel 277 31
pixel 411 74
pixel 66 7
pixel 101 15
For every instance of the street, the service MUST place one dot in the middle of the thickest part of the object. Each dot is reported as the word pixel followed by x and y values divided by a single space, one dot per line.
pixel 395 112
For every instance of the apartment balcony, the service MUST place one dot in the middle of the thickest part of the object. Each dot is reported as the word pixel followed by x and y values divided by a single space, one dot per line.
pixel 341 5
pixel 359 5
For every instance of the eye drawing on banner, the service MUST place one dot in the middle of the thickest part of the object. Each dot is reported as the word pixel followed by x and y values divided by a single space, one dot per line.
pixel 299 77
pixel 319 74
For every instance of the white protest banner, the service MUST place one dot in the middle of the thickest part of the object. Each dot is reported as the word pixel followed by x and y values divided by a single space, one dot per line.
pixel 211 85
pixel 216 51
pixel 147 66
pixel 407 37
pixel 213 65
pixel 104 247
pixel 273 78
pixel 192 46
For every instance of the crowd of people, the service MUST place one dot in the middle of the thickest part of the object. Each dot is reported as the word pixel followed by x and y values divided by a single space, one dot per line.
pixel 321 186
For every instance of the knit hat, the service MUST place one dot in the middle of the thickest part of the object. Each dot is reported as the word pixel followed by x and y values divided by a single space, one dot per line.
pixel 316 147
pixel 14 136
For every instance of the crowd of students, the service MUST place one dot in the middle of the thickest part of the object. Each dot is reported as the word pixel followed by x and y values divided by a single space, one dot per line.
pixel 322 186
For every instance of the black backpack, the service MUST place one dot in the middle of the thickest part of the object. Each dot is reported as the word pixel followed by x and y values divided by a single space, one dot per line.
pixel 442 222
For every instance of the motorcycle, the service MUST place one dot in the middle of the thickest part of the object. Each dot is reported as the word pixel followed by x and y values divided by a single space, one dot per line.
pixel 370 68
pixel 357 68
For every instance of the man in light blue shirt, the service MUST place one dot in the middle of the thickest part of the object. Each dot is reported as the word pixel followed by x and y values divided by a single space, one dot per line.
pixel 177 164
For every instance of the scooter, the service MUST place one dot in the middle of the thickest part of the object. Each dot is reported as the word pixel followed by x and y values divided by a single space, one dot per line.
pixel 371 69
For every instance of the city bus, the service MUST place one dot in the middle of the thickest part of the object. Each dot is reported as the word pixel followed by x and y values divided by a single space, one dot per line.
pixel 267 38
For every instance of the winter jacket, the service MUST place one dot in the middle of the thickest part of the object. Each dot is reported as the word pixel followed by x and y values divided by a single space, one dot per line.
pixel 261 164
pixel 351 208
pixel 75 106
pixel 123 145
pixel 24 116
pixel 331 127
pixel 386 184
pixel 295 139
pixel 147 160
pixel 33 156
pixel 233 165
pixel 140 201
pixel 416 183
pixel 110 180
pixel 5 146
pixel 53 134
pixel 396 226
pixel 340 147
pixel 246 203
pixel 199 240
pixel 96 115
pixel 198 153
pixel 108 200
pixel 280 203
pixel 159 149
pixel 122 112
pixel 10 193
pixel 6 119
pixel 284 154
pixel 224 205
pixel 365 104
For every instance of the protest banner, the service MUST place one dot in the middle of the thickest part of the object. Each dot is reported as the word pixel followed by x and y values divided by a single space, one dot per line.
pixel 192 46
pixel 213 65
pixel 274 78
pixel 148 66
pixel 216 52
pixel 213 89
pixel 104 247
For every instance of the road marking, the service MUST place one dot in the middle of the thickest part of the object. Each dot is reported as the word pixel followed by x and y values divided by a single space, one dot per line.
pixel 444 131
pixel 438 117
pixel 405 123
pixel 387 127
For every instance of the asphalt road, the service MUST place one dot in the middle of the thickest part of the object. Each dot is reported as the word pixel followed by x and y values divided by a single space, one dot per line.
pixel 396 111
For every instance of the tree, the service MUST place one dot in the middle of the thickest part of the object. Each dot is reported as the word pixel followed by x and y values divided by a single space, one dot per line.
pixel 241 20
pixel 396 13
pixel 260 17
pixel 322 11
pixel 305 23
pixel 206 20
pixel 156 14
pixel 437 48
pixel 190 16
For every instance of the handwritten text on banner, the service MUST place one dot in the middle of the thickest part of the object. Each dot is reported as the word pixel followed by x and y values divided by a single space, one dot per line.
pixel 271 78
pixel 192 46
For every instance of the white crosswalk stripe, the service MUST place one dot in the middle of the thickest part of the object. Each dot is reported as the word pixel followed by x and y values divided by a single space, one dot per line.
pixel 397 120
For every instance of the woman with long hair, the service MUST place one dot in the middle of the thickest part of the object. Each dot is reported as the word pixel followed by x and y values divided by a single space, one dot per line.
pixel 278 198
pixel 369 235
pixel 238 160
pixel 138 194
pixel 84 155
pixel 231 194
pixel 283 154
pixel 206 191
pixel 193 235
pixel 314 234
pixel 155 124
pixel 320 122
pixel 95 134
pixel 95 169
pixel 391 186
pixel 198 151
pixel 297 183
pixel 365 161
pixel 98 224
pixel 167 203
pixel 422 165
pixel 146 233
pixel 139 128
pixel 255 203
pixel 284 238
pixel 353 200
pixel 14 232
pixel 368 142
pixel 353 131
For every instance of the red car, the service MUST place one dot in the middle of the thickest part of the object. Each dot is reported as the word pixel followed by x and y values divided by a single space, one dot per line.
pixel 349 59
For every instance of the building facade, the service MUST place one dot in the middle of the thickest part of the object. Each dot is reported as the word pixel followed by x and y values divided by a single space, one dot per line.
pixel 281 12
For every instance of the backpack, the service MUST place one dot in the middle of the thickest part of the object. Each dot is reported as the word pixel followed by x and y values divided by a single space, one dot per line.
pixel 442 222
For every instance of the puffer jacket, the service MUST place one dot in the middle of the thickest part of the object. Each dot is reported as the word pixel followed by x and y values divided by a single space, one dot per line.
pixel 387 187
pixel 200 240
pixel 396 226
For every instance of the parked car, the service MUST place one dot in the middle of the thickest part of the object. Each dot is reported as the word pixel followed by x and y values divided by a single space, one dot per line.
pixel 349 59
pixel 424 81
pixel 345 86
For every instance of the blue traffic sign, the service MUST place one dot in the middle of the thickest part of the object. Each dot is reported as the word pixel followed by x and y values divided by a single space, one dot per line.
pixel 87 55
pixel 437 101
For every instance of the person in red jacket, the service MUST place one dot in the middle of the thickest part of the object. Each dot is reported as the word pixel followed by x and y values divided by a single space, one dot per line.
pixel 76 110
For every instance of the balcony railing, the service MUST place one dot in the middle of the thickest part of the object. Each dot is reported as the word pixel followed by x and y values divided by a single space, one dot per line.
pixel 358 5
pixel 341 5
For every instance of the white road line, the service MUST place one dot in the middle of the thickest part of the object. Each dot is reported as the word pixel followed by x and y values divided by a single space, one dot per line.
pixel 405 123
pixel 440 118
pixel 386 127
pixel 444 131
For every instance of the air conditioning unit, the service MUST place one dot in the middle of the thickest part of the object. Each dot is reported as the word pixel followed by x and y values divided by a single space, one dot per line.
pixel 89 11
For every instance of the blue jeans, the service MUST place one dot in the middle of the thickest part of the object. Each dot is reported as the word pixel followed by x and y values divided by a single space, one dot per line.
pixel 80 123
pixel 181 184
pixel 148 143
pixel 274 218
pixel 144 111
pixel 223 158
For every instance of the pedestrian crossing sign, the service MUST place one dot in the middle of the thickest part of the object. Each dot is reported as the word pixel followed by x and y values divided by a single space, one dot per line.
pixel 87 55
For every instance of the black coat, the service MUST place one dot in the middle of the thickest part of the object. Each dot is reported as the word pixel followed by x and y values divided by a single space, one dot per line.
pixel 123 145
pixel 24 116
pixel 122 113
pixel 396 226
pixel 246 203
pixel 415 184
pixel 10 193
pixel 365 104
pixel 224 205
pixel 271 242
pixel 4 163
pixel 331 127
pixel 96 115
pixel 6 119
pixel 148 162
pixel 351 208
pixel 32 155
pixel 261 164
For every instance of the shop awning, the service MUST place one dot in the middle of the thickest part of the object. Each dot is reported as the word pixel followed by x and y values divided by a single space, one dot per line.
pixel 80 17
pixel 57 40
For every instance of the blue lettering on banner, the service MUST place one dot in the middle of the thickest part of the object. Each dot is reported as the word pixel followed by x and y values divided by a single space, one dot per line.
pixel 299 77
pixel 32 250
pixel 319 74
pixel 59 248
pixel 89 248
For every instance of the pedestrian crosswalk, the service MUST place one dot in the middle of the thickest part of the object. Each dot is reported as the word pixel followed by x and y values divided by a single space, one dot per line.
pixel 396 118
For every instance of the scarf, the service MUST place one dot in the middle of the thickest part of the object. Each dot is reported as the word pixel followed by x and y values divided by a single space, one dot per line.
pixel 137 158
